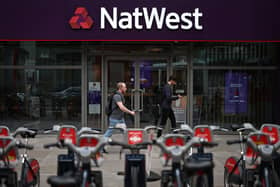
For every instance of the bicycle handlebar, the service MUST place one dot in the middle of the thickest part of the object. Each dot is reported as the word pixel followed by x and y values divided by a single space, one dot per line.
pixel 266 151
pixel 86 152
pixel 118 128
pixel 218 128
pixel 146 129
pixel 57 144
pixel 189 131
pixel 24 132
pixel 87 130
pixel 15 143
pixel 230 142
pixel 151 127
pixel 176 151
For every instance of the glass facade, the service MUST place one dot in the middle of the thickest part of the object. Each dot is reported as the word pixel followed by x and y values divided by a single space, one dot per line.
pixel 235 54
pixel 46 83
pixel 94 104
pixel 38 89
pixel 229 96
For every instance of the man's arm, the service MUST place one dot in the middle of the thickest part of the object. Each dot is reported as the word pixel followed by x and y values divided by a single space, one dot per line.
pixel 124 109
pixel 168 94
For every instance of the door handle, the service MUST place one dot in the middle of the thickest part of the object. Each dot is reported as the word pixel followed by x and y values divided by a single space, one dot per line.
pixel 132 100
pixel 141 91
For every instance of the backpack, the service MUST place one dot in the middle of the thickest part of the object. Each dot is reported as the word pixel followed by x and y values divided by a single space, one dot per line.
pixel 108 107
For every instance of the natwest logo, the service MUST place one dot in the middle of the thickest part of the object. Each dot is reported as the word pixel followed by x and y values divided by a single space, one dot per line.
pixel 81 19
pixel 148 18
pixel 135 137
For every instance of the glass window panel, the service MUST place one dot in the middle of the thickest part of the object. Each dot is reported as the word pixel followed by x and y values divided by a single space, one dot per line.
pixel 235 96
pixel 30 53
pixel 234 54
pixel 94 92
pixel 40 98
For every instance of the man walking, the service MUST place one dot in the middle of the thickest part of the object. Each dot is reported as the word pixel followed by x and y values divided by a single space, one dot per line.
pixel 166 108
pixel 118 109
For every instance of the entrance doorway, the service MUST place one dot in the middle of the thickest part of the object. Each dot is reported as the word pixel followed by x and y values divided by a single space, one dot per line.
pixel 144 78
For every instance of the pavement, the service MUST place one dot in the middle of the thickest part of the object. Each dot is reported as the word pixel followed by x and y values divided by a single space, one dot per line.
pixel 112 163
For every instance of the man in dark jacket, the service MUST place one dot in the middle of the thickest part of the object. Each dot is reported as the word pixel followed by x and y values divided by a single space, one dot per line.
pixel 166 104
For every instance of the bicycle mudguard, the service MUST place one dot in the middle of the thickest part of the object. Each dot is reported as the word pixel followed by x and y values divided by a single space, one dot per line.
pixel 10 177
pixel 235 176
pixel 135 161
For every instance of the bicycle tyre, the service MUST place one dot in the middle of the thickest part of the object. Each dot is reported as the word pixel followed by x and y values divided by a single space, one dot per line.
pixel 199 181
pixel 97 178
pixel 166 178
pixel 226 179
pixel 267 182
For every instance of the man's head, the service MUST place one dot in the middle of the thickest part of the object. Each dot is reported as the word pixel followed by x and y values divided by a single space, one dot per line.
pixel 172 80
pixel 121 86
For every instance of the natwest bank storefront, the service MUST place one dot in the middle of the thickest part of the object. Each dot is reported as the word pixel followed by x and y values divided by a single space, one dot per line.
pixel 43 83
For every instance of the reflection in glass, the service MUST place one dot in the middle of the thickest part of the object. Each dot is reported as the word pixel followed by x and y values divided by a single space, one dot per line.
pixel 226 97
pixel 40 98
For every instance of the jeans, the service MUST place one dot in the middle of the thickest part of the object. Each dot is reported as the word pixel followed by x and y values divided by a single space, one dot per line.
pixel 112 124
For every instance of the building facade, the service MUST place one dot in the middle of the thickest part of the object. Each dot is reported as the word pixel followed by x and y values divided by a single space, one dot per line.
pixel 43 83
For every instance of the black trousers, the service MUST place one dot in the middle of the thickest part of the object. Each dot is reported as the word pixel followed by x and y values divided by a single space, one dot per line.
pixel 165 114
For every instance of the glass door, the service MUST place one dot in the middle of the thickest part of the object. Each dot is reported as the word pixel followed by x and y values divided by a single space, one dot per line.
pixel 144 78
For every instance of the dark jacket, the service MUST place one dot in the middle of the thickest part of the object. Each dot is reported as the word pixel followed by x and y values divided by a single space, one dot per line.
pixel 167 97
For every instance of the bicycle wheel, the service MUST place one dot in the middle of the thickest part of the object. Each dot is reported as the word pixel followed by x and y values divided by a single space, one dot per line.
pixel 166 178
pixel 227 182
pixel 97 178
pixel 266 178
pixel 199 181
pixel 30 173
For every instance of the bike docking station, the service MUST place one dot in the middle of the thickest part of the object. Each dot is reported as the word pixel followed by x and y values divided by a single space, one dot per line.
pixel 137 165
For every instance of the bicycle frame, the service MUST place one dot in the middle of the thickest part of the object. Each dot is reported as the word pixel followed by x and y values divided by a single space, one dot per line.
pixel 31 175
pixel 242 160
